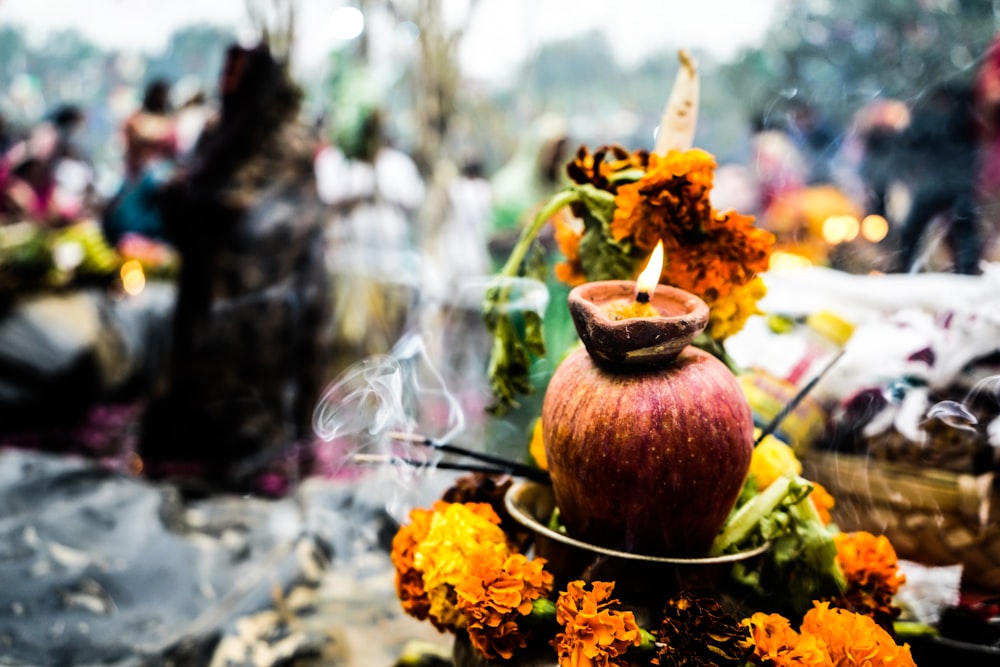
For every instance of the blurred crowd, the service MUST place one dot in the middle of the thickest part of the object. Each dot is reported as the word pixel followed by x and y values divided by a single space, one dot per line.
pixel 904 186
pixel 300 255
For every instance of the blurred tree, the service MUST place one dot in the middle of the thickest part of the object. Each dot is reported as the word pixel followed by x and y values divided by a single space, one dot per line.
pixel 194 53
pixel 437 79
pixel 838 55
pixel 13 51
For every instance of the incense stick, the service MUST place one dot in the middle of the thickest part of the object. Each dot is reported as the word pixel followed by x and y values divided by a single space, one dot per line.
pixel 514 467
pixel 383 459
pixel 773 425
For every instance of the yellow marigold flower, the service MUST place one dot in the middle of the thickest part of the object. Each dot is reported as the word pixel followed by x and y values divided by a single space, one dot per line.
pixel 822 501
pixel 457 531
pixel 869 561
pixel 854 639
pixel 772 459
pixel 593 635
pixel 730 312
pixel 431 553
pixel 409 580
pixel 537 446
pixel 495 593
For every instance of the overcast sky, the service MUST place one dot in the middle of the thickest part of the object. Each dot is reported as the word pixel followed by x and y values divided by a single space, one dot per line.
pixel 502 32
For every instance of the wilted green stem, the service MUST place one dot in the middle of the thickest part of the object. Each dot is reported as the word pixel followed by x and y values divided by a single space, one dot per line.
pixel 528 234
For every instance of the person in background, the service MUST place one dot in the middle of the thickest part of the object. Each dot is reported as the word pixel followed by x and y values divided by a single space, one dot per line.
pixel 879 126
pixel 246 363
pixel 150 155
pixel 72 167
pixel 987 99
pixel 816 138
pixel 27 180
pixel 940 150
pixel 372 192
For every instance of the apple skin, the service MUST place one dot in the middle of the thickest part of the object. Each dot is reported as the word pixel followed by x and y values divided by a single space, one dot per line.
pixel 648 462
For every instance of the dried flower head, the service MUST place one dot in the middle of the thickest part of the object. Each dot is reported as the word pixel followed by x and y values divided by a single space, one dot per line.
pixel 698 632
pixel 593 634
pixel 599 169
pixel 495 594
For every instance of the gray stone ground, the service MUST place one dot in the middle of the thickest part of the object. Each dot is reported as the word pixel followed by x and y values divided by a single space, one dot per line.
pixel 100 568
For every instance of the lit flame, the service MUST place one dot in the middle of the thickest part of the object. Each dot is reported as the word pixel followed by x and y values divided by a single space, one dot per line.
pixel 133 278
pixel 650 276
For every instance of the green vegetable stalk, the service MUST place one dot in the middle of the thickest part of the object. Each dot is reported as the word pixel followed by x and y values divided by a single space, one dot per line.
pixel 802 561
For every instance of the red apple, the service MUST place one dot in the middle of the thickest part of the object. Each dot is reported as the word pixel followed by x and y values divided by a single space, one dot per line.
pixel 647 461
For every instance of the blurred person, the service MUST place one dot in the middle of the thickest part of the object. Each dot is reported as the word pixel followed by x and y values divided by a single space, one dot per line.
pixel 247 362
pixel 940 154
pixel 72 167
pixel 150 156
pixel 372 192
pixel 27 180
pixel 987 99
pixel 879 126
pixel 776 163
pixel 816 138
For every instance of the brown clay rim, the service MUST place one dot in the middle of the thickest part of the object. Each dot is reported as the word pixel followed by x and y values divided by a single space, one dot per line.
pixel 525 518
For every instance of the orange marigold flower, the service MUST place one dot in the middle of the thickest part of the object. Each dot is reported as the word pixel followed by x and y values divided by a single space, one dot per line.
pixel 854 639
pixel 597 169
pixel 729 251
pixel 776 643
pixel 670 200
pixel 409 580
pixel 868 561
pixel 495 593
pixel 567 236
pixel 593 635
pixel 822 501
